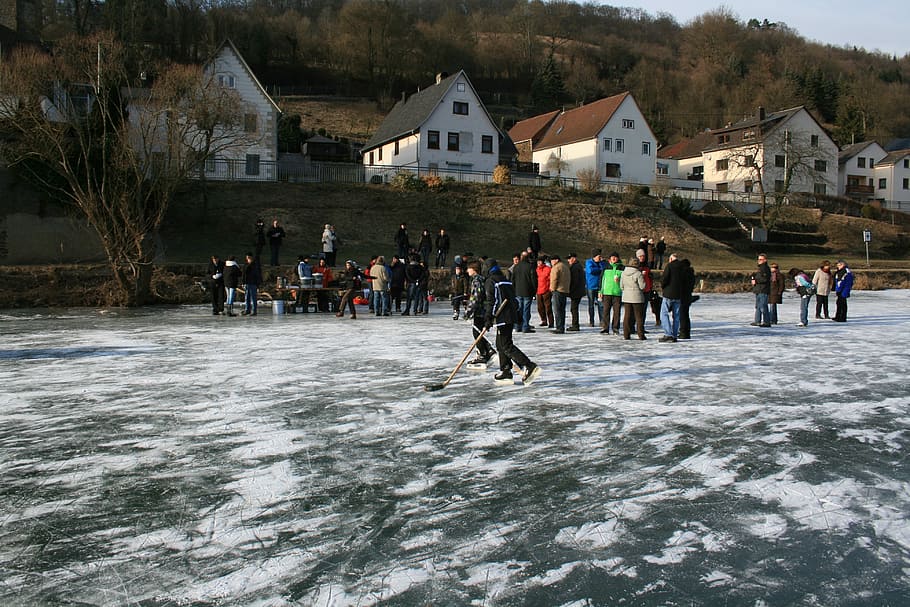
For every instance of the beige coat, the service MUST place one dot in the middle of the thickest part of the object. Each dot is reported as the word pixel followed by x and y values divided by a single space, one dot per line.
pixel 632 282
pixel 822 281
pixel 380 276
pixel 560 277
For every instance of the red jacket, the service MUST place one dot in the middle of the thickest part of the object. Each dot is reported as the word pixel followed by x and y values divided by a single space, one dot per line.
pixel 543 279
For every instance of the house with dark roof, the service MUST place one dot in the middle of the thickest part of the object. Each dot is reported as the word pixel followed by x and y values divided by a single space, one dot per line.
pixel 785 149
pixel 892 180
pixel 683 161
pixel 856 169
pixel 257 159
pixel 609 136
pixel 443 129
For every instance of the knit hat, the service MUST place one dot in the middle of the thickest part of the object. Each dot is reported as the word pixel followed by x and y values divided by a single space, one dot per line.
pixel 595 252
pixel 489 264
pixel 639 252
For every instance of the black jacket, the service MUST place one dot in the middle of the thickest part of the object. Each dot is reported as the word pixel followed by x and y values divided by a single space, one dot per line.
pixel 673 280
pixel 524 279
pixel 497 291
pixel 413 272
pixel 231 275
pixel 577 282
pixel 396 275
pixel 762 278
pixel 252 273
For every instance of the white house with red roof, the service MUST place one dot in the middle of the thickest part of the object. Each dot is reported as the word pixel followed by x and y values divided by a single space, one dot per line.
pixel 610 136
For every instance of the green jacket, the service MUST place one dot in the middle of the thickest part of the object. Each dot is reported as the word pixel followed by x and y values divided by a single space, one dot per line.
pixel 609 284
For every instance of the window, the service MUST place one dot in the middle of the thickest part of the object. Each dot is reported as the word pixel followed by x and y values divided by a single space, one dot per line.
pixel 698 171
pixel 882 183
pixel 460 108
pixel 871 163
pixel 821 166
pixel 907 163
pixel 395 153
pixel 371 157
pixel 820 188
pixel 748 135
pixel 722 188
pixel 861 162
pixel 779 161
pixel 663 168
pixel 813 141
pixel 608 145
pixel 645 148
pixel 722 164
pixel 486 144
pixel 250 123
pixel 433 140
pixel 725 138
pixel 379 150
pixel 747 186
pixel 620 146
pixel 750 161
pixel 906 183
pixel 226 81
pixel 778 185
pixel 460 87
pixel 628 124
pixel 453 142
pixel 613 170
pixel 252 164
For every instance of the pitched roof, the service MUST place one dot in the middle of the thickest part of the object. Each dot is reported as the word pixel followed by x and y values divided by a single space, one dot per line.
pixel 408 115
pixel 897 144
pixel 852 150
pixel 581 123
pixel 687 148
pixel 532 129
pixel 759 126
pixel 893 157
pixel 230 45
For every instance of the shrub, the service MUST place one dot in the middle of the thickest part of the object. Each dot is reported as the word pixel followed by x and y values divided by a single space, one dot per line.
pixel 502 175
pixel 408 181
pixel 433 182
pixel 680 206
pixel 589 179
pixel 871 212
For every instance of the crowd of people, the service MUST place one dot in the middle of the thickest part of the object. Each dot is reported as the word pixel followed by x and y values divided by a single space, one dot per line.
pixel 494 295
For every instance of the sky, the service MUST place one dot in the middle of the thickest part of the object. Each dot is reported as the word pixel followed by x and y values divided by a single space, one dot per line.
pixel 877 25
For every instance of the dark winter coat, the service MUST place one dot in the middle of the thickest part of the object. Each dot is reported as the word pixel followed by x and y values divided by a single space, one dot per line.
pixel 777 286
pixel 401 240
pixel 524 279
pixel 498 290
pixel 762 278
pixel 216 274
pixel 534 242
pixel 673 280
pixel 476 299
pixel 396 275
pixel 231 274
pixel 350 278
pixel 413 272
pixel 577 284
pixel 252 273
pixel 442 243
pixel 843 282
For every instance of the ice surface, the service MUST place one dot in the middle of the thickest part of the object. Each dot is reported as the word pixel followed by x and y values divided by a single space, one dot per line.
pixel 169 457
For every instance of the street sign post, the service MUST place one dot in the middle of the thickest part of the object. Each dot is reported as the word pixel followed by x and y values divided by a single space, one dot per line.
pixel 867 238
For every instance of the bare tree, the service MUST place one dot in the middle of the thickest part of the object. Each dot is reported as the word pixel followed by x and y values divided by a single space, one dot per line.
pixel 74 127
pixel 778 164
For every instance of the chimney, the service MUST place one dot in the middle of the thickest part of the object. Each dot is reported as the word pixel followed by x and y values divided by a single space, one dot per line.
pixel 761 112
pixel 404 96
pixel 441 76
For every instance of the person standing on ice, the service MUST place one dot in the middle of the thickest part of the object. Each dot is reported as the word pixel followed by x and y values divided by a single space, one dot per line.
pixel 843 284
pixel 803 284
pixel 500 296
pixel 761 287
pixel 475 310
pixel 231 281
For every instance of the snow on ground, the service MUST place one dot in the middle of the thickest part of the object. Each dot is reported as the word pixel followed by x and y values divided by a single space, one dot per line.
pixel 167 457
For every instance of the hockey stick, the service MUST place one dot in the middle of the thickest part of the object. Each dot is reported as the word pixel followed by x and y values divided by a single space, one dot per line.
pixel 435 387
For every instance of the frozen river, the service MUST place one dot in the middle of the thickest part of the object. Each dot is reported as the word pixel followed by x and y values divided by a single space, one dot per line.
pixel 168 457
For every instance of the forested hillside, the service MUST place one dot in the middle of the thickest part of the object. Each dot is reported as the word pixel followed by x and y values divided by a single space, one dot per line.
pixel 522 56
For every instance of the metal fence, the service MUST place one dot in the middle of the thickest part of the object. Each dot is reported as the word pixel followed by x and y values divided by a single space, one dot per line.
pixel 351 173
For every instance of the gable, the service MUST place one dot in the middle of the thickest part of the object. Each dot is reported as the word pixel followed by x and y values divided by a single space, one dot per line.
pixel 229 66
pixel 582 123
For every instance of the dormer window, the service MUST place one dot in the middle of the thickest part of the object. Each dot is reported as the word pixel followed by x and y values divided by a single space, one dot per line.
pixel 725 138
pixel 747 135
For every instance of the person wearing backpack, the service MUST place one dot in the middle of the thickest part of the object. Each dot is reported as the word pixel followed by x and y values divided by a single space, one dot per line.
pixel 806 290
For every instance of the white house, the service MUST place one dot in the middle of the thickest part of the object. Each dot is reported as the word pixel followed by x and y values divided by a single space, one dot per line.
pixel 892 180
pixel 771 145
pixel 856 169
pixel 443 129
pixel 256 159
pixel 681 164
pixel 610 136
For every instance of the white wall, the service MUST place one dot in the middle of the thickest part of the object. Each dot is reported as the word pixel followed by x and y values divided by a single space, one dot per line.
pixel 870 156
pixel 894 195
